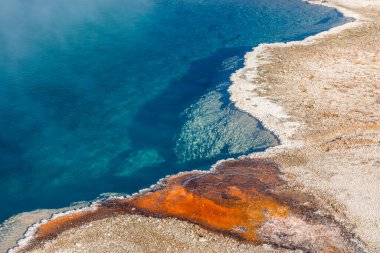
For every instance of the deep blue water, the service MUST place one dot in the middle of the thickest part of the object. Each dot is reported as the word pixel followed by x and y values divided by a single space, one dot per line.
pixel 110 95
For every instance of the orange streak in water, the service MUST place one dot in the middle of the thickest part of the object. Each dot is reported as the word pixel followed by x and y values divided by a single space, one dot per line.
pixel 248 212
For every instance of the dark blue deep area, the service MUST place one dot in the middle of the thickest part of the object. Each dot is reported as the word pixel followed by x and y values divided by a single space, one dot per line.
pixel 111 95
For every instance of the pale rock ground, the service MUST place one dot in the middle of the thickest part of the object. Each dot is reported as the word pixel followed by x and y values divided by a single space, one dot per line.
pixel 135 234
pixel 322 97
pixel 328 89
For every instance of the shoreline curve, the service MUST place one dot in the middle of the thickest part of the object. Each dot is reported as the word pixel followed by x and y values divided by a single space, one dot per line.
pixel 274 119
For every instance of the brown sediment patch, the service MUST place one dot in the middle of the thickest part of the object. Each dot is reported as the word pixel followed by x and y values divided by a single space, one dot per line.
pixel 244 198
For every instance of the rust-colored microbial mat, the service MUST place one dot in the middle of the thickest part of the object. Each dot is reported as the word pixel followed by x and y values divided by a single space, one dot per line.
pixel 231 199
pixel 244 198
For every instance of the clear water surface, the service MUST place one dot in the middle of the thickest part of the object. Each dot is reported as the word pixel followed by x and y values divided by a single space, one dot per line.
pixel 110 95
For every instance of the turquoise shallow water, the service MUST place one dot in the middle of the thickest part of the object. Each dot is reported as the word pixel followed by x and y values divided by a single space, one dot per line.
pixel 109 96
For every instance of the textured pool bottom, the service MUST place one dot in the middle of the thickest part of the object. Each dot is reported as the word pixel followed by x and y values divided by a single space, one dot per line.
pixel 244 198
